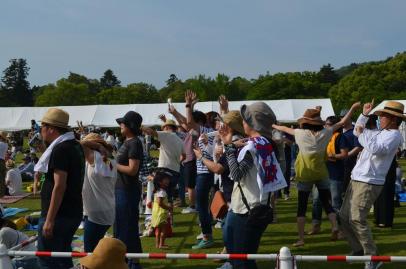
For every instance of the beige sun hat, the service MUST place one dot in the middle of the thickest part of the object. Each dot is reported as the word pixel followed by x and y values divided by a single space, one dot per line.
pixel 56 117
pixel 393 108
pixel 169 122
pixel 109 253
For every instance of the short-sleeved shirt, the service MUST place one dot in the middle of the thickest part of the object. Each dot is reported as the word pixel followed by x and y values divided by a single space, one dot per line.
pixel 67 156
pixel 131 149
pixel 336 168
pixel 170 151
pixel 311 160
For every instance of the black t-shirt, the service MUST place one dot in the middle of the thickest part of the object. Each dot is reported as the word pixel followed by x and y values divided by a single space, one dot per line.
pixel 131 149
pixel 226 182
pixel 67 156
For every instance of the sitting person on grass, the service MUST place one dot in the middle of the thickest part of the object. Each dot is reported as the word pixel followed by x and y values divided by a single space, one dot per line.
pixel 11 238
pixel 13 179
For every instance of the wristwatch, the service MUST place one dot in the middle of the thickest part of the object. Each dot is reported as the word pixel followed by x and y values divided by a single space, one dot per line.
pixel 187 105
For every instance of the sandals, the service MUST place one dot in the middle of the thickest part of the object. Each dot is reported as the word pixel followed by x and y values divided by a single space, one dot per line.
pixel 298 244
pixel 334 235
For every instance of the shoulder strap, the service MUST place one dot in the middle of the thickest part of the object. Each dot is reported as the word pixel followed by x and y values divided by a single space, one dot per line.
pixel 244 199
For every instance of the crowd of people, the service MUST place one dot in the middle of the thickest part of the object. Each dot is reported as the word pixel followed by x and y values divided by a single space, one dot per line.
pixel 240 159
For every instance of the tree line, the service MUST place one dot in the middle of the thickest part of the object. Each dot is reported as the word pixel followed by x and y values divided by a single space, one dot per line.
pixel 379 80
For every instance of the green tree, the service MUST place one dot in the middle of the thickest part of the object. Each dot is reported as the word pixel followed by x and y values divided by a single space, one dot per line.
pixel 375 80
pixel 15 84
pixel 136 93
pixel 64 93
pixel 93 84
pixel 109 80
pixel 327 74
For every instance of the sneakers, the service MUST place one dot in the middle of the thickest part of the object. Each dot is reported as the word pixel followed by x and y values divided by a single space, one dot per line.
pixel 203 244
pixel 218 225
pixel 188 210
pixel 199 237
pixel 226 265
pixel 373 265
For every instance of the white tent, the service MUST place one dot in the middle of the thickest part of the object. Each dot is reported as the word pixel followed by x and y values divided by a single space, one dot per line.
pixel 402 127
pixel 19 118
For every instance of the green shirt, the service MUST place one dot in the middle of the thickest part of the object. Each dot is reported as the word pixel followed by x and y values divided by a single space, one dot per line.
pixel 311 160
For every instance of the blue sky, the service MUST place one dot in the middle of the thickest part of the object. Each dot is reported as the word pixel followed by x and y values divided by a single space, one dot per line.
pixel 148 40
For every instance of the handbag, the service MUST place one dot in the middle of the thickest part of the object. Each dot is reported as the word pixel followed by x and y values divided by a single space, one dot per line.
pixel 218 207
pixel 260 215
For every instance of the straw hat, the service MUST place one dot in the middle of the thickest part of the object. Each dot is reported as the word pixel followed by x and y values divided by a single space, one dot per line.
pixel 169 122
pixel 234 120
pixel 56 117
pixel 260 117
pixel 3 135
pixel 98 139
pixel 311 116
pixel 109 253
pixel 393 108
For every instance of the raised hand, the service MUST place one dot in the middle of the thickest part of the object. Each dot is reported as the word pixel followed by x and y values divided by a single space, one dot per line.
pixel 356 106
pixel 223 101
pixel 226 135
pixel 191 98
pixel 162 117
pixel 368 107
pixel 171 109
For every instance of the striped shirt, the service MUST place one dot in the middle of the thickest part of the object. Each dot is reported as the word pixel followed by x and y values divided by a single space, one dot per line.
pixel 207 150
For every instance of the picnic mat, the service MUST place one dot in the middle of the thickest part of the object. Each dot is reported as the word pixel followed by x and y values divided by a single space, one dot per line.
pixel 12 211
pixel 13 199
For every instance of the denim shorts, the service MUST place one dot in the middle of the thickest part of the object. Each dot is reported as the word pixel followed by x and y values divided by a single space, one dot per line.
pixel 308 185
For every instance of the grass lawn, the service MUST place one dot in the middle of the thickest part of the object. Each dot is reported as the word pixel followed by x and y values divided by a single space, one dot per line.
pixel 284 233
pixel 389 241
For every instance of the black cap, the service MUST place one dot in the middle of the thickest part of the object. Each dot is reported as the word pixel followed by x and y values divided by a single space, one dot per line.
pixel 133 121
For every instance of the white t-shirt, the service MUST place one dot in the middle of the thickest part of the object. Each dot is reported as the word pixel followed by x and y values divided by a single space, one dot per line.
pixel 14 181
pixel 98 196
pixel 3 150
pixel 170 151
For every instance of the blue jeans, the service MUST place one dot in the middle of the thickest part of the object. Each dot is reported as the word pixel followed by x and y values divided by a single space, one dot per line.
pixel 92 234
pixel 27 264
pixel 64 230
pixel 241 238
pixel 204 182
pixel 336 189
pixel 127 217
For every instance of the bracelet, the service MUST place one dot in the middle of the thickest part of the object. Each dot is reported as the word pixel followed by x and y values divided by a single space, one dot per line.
pixel 364 114
pixel 187 105
pixel 200 159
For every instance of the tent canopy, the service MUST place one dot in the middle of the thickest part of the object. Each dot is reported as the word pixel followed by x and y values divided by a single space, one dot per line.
pixel 19 118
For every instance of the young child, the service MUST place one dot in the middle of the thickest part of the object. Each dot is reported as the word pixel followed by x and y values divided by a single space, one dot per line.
pixel 160 208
